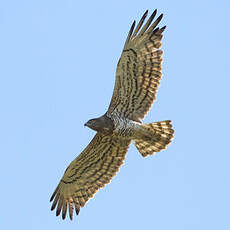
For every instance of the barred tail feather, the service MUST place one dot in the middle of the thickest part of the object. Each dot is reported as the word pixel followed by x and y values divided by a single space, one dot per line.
pixel 155 137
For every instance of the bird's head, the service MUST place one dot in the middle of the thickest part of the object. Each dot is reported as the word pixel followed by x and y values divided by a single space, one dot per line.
pixel 101 124
pixel 93 124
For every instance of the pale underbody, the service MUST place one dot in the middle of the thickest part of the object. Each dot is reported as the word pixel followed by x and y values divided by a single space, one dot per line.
pixel 121 126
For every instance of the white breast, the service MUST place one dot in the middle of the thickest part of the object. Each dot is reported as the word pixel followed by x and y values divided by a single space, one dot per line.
pixel 123 126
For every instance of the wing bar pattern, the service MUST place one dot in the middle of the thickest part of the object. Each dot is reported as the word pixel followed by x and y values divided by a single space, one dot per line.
pixel 139 70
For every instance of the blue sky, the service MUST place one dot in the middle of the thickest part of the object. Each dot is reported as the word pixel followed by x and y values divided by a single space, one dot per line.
pixel 58 62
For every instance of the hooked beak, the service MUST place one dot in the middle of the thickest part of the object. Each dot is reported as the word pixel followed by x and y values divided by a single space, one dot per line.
pixel 86 124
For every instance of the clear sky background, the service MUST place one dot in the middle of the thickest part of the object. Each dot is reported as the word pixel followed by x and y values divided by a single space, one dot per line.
pixel 57 70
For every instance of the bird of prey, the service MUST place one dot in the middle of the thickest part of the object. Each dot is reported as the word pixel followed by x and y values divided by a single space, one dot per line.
pixel 138 76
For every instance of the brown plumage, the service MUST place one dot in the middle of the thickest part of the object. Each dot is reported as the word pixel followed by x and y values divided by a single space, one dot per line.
pixel 137 79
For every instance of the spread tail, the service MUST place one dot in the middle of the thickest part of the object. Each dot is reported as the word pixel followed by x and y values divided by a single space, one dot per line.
pixel 154 137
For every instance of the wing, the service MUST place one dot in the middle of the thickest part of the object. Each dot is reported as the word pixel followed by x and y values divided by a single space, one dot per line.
pixel 138 71
pixel 91 170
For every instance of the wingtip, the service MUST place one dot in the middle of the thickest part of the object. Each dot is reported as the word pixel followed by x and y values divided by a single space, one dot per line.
pixel 133 25
pixel 77 211
pixel 71 217
pixel 51 198
pixel 58 212
pixel 54 193
pixel 153 14
pixel 63 216
pixel 131 31
pixel 146 13
pixel 52 208
pixel 162 29
pixel 77 208
pixel 160 17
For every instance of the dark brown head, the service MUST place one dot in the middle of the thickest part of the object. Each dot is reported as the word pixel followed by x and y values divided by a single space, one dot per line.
pixel 101 124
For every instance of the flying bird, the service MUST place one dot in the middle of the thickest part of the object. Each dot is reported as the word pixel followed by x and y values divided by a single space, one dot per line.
pixel 138 76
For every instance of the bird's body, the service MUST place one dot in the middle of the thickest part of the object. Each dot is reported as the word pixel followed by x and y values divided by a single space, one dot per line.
pixel 137 79
pixel 124 127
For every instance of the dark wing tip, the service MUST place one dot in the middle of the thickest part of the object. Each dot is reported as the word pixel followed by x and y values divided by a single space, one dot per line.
pixel 77 208
pixel 132 27
pixel 58 212
pixel 131 30
pixel 71 215
pixel 52 197
pixel 158 31
pixel 63 215
pixel 152 29
pixel 52 208
pixel 64 210
pixel 148 23
pixel 130 33
pixel 155 30
pixel 146 13
pixel 163 28
pixel 54 193
pixel 154 13
pixel 159 18
pixel 77 211
pixel 152 16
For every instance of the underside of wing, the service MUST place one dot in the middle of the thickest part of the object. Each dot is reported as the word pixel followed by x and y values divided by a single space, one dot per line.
pixel 91 170
pixel 139 70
